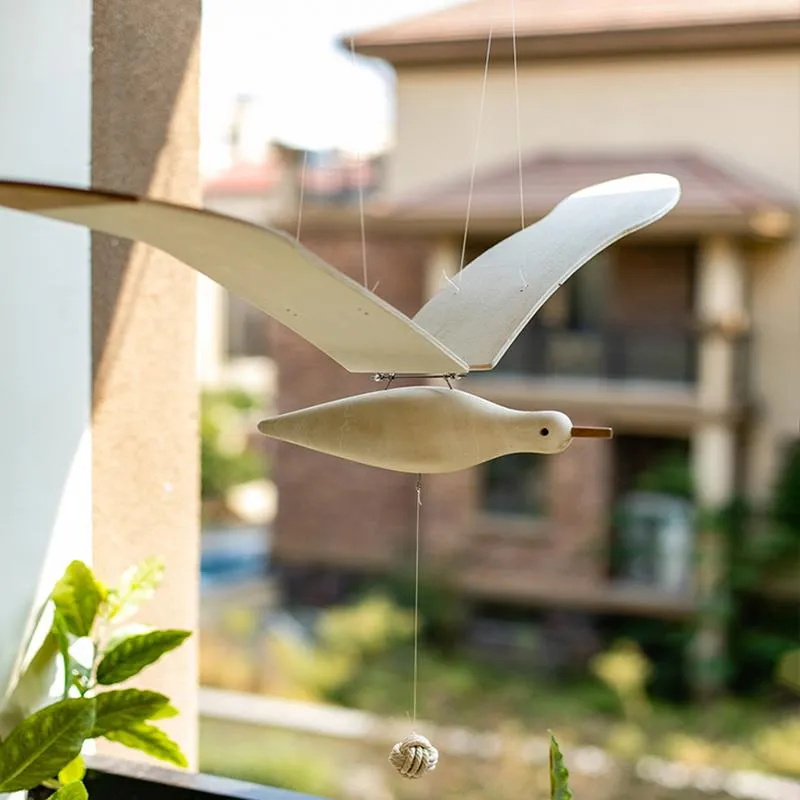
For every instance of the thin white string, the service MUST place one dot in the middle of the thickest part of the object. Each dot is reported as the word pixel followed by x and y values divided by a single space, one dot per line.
pixel 300 200
pixel 360 163
pixel 517 108
pixel 451 282
pixel 415 680
pixel 477 146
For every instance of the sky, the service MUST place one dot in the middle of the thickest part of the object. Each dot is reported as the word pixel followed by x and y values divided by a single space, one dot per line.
pixel 306 91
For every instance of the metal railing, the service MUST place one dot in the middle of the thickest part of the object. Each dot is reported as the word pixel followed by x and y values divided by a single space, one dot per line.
pixel 613 352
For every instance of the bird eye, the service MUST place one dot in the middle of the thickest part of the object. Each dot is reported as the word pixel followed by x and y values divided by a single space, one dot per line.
pixel 545 431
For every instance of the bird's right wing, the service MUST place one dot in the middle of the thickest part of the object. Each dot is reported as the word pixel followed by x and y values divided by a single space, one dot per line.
pixel 484 308
pixel 269 269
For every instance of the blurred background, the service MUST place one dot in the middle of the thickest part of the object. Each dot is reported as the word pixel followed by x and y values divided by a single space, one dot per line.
pixel 638 597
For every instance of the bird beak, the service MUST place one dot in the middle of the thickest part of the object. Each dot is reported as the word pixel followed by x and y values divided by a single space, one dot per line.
pixel 579 432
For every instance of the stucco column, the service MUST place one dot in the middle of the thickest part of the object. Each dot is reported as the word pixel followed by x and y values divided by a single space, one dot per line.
pixel 443 262
pixel 211 331
pixel 145 447
pixel 721 311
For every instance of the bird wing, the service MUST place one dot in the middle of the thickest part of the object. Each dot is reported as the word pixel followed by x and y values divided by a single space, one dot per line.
pixel 266 267
pixel 481 311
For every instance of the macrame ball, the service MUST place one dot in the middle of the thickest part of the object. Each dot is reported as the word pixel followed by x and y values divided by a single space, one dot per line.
pixel 414 756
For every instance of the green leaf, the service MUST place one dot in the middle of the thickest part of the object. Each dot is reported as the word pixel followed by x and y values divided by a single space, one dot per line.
pixel 125 632
pixel 77 596
pixel 61 633
pixel 150 740
pixel 559 774
pixel 166 712
pixel 137 586
pixel 43 744
pixel 73 772
pixel 132 655
pixel 120 708
pixel 72 791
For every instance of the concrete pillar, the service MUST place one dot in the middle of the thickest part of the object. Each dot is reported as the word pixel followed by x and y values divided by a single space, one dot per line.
pixel 721 307
pixel 443 262
pixel 721 311
pixel 145 447
pixel 45 347
pixel 211 331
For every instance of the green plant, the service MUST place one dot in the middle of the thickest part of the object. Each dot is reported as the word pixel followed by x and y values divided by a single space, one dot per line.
pixel 786 497
pixel 348 638
pixel 225 459
pixel 559 774
pixel 43 748
pixel 443 610
pixel 626 671
pixel 763 547
pixel 760 546
pixel 672 476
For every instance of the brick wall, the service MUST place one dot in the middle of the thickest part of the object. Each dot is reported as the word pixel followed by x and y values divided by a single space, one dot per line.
pixel 568 543
pixel 333 514
pixel 653 285
pixel 332 511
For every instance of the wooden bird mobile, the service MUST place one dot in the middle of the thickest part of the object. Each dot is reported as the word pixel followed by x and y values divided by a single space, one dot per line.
pixel 467 326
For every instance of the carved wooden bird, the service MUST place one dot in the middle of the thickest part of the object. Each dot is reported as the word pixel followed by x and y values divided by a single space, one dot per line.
pixel 467 326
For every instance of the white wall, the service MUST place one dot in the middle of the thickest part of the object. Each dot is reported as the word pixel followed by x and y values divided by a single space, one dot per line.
pixel 743 110
pixel 725 106
pixel 45 344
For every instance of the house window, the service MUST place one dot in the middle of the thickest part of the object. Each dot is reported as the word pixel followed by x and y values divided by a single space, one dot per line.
pixel 515 485
pixel 587 294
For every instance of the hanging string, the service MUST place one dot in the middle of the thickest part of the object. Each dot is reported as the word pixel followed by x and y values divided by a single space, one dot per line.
pixel 477 146
pixel 415 755
pixel 415 679
pixel 360 163
pixel 517 109
pixel 301 198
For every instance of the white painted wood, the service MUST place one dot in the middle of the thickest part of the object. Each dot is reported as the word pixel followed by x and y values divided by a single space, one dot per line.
pixel 486 307
pixel 468 324
pixel 269 269
pixel 45 336
pixel 422 429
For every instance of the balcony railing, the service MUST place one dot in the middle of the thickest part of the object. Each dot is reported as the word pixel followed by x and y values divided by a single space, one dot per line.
pixel 612 353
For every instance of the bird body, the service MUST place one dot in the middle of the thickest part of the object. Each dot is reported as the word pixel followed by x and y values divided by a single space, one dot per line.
pixel 421 429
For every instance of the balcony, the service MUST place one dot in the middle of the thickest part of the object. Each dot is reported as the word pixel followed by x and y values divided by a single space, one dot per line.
pixel 635 375
pixel 663 355
pixel 118 779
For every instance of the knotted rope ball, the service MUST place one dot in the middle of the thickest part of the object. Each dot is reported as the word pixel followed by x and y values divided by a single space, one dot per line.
pixel 414 756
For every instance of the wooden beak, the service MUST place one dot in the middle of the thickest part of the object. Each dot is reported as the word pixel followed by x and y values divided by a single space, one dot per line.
pixel 579 432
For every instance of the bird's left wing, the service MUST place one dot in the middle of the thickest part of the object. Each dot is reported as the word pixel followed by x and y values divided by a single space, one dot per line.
pixel 480 313
pixel 266 267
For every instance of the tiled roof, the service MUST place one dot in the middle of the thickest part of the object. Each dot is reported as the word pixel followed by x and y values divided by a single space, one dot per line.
pixel 243 178
pixel 327 176
pixel 709 189
pixel 469 21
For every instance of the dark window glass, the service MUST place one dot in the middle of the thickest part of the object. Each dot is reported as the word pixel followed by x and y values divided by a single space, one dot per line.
pixel 515 485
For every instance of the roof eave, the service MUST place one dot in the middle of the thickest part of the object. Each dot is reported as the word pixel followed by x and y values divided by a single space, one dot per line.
pixel 744 36
pixel 688 224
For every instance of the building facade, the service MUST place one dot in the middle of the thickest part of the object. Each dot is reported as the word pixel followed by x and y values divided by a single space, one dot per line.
pixel 684 337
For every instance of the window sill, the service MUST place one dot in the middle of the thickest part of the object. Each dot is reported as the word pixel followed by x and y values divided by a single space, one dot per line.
pixel 119 779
